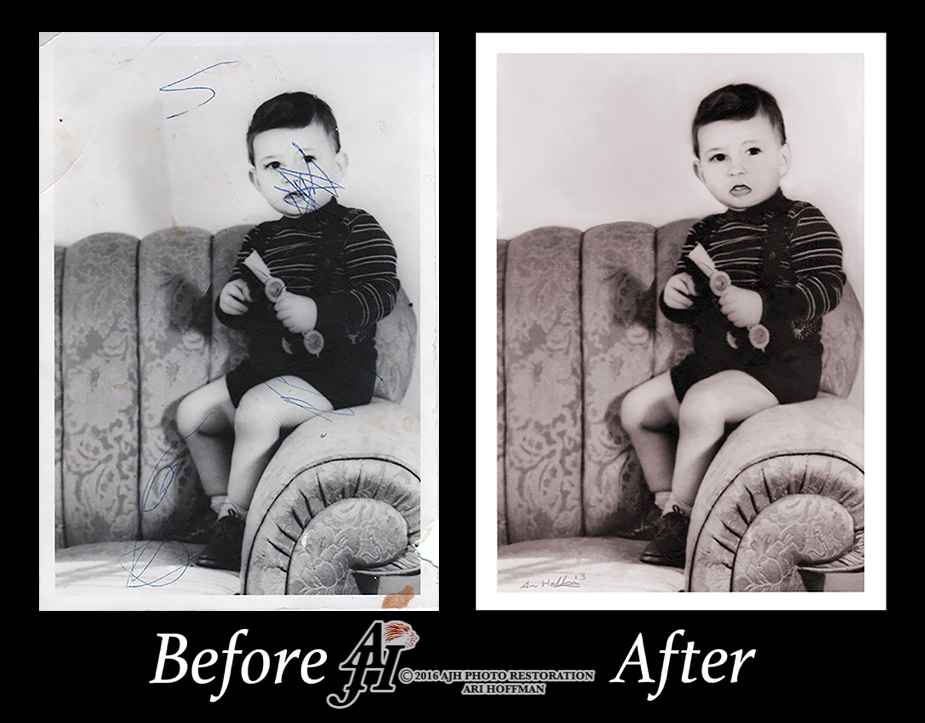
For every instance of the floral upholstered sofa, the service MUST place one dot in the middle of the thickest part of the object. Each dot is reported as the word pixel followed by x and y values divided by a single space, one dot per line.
pixel 782 503
pixel 337 510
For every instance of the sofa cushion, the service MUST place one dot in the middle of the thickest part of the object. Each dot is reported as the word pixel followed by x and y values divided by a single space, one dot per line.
pixel 119 570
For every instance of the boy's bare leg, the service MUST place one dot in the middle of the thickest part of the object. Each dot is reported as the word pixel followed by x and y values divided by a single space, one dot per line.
pixel 646 415
pixel 205 419
pixel 724 398
pixel 264 411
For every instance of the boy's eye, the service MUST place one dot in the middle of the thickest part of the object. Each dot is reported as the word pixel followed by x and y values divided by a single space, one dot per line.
pixel 272 164
pixel 753 151
pixel 718 157
pixel 308 159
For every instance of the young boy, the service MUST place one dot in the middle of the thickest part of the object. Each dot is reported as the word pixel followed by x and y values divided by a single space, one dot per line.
pixel 311 338
pixel 784 262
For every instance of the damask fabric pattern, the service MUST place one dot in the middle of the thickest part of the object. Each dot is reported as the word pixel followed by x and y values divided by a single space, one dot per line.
pixel 173 360
pixel 809 454
pixel 99 379
pixel 502 428
pixel 542 340
pixel 311 520
pixel 618 319
pixel 136 333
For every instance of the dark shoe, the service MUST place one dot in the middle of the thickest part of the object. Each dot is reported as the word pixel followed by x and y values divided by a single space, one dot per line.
pixel 197 530
pixel 645 526
pixel 223 552
pixel 669 545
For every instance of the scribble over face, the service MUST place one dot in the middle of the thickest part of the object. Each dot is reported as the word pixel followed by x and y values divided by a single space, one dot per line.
pixel 297 169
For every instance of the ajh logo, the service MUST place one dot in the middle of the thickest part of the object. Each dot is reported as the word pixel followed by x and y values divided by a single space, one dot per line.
pixel 378 651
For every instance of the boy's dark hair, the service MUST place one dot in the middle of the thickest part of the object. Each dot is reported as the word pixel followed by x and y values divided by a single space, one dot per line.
pixel 738 102
pixel 292 110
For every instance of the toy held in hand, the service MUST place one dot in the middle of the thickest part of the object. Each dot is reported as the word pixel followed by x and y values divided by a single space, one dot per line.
pixel 274 288
pixel 719 282
pixel 758 334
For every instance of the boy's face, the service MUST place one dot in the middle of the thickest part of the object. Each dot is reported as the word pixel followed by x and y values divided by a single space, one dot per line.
pixel 741 161
pixel 297 170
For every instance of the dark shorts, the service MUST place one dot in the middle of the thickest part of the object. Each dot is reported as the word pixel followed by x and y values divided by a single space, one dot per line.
pixel 790 380
pixel 344 382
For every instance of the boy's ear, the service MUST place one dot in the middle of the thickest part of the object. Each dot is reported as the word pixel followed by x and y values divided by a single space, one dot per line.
pixel 252 174
pixel 784 159
pixel 340 163
pixel 697 170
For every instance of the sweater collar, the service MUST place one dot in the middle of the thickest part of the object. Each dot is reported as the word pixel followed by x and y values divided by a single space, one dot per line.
pixel 763 210
pixel 330 211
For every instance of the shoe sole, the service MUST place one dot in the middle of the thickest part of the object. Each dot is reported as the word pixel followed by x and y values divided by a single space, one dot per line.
pixel 663 561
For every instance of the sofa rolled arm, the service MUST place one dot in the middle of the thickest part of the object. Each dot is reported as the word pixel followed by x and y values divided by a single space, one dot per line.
pixel 339 500
pixel 785 493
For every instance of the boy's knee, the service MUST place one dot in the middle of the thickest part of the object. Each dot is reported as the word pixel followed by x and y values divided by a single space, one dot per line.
pixel 634 408
pixel 701 410
pixel 254 414
pixel 188 415
pixel 646 405
pixel 207 409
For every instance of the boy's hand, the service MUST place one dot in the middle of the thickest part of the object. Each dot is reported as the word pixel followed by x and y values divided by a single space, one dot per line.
pixel 235 297
pixel 679 291
pixel 741 306
pixel 297 313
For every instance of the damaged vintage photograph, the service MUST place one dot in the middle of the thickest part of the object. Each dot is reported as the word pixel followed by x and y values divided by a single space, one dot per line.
pixel 243 237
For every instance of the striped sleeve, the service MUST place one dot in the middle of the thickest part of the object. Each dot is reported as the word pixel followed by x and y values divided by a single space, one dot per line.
pixel 370 261
pixel 816 261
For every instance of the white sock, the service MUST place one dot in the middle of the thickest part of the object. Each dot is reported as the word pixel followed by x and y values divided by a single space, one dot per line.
pixel 661 499
pixel 222 505
pixel 675 502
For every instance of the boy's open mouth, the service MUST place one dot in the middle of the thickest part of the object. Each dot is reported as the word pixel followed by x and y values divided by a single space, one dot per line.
pixel 740 190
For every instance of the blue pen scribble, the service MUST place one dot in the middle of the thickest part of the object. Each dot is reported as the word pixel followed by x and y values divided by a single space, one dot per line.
pixel 303 403
pixel 135 576
pixel 165 474
pixel 170 89
pixel 302 185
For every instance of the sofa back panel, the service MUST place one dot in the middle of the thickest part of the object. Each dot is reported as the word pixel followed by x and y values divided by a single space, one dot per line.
pixel 502 505
pixel 99 377
pixel 173 356
pixel 542 344
pixel 618 310
pixel 396 345
pixel 673 341
pixel 228 346
pixel 843 344
pixel 59 419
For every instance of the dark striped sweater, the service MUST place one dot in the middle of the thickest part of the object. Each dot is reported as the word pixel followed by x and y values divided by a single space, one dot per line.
pixel 810 280
pixel 338 256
